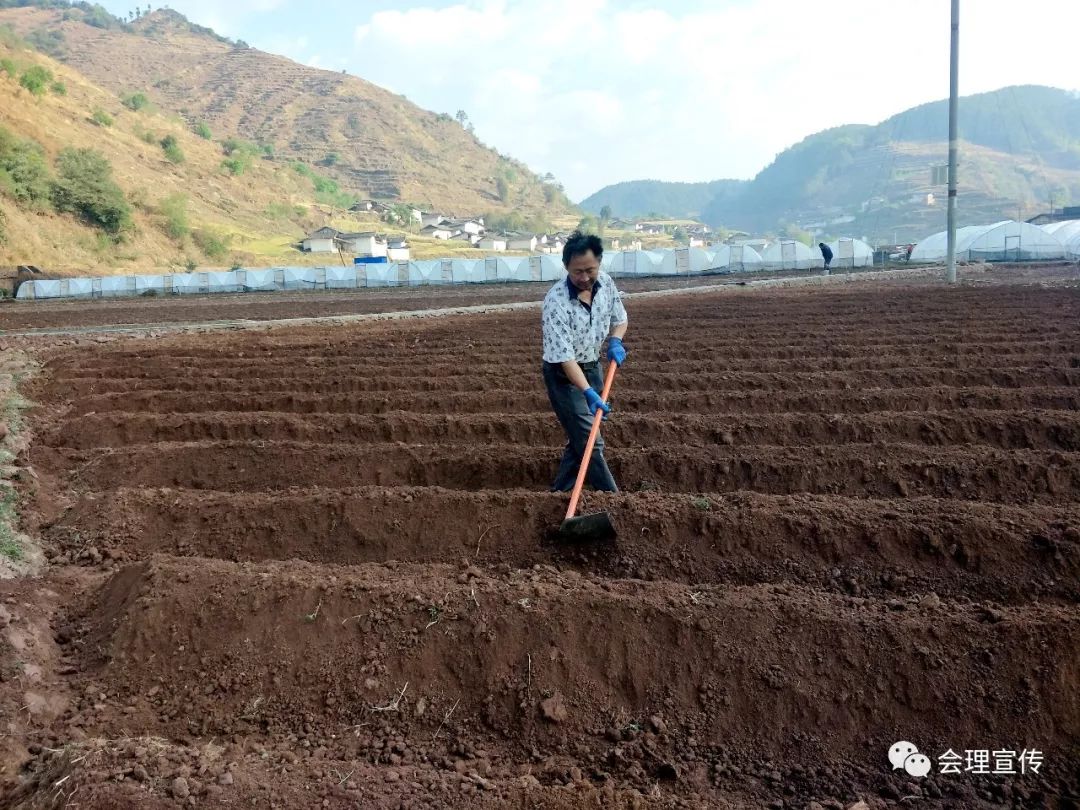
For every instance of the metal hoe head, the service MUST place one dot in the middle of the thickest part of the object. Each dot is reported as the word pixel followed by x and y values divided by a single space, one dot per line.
pixel 588 528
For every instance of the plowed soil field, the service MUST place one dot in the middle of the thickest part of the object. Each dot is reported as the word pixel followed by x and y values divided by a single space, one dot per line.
pixel 313 567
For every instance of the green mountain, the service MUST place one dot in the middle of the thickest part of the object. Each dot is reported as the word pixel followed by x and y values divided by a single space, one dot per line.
pixel 636 198
pixel 1020 148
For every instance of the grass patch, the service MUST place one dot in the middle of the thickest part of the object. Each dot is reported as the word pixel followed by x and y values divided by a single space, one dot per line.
pixel 13 407
pixel 9 517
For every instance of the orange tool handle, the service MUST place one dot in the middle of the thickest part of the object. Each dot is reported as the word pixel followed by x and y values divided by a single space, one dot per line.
pixel 598 417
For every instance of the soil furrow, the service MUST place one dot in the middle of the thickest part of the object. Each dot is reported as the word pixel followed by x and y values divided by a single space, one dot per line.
pixel 214 649
pixel 858 546
pixel 626 400
pixel 883 471
pixel 1028 430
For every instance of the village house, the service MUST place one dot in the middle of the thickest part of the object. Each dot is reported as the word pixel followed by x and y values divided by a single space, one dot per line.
pixel 362 244
pixel 493 242
pixel 437 231
pixel 397 249
pixel 373 206
pixel 321 241
pixel 550 243
pixel 431 218
pixel 621 225
pixel 521 241
pixel 474 227
pixel 462 236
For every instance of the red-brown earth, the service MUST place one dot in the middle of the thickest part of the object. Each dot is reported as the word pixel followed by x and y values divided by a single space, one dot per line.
pixel 313 567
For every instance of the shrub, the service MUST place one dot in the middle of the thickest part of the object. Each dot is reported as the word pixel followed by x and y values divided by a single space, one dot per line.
pixel 135 101
pixel 35 79
pixel 101 118
pixel 24 174
pixel 172 150
pixel 174 211
pixel 8 67
pixel 191 265
pixel 59 88
pixel 148 137
pixel 3 227
pixel 211 244
pixel 237 165
pixel 85 186
pixel 231 146
pixel 202 129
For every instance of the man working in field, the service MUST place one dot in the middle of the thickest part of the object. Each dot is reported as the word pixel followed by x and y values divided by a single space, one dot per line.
pixel 580 312
pixel 826 255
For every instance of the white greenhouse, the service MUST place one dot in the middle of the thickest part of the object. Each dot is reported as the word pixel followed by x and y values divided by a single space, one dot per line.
pixel 633 263
pixel 788 254
pixel 851 253
pixel 736 258
pixel 1002 241
pixel 1068 233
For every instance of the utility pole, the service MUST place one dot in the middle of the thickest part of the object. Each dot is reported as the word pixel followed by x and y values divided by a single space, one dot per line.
pixel 954 70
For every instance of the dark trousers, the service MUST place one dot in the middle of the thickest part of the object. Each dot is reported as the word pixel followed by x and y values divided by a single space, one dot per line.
pixel 573 412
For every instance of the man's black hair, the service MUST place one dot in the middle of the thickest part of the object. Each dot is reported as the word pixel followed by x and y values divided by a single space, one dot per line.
pixel 580 243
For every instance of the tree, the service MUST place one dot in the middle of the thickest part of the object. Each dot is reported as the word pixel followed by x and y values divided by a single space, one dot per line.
pixel 589 224
pixel 605 214
pixel 462 118
pixel 85 186
pixel 503 187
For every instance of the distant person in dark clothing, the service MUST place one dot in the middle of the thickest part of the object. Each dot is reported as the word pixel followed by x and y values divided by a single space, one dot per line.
pixel 909 249
pixel 826 254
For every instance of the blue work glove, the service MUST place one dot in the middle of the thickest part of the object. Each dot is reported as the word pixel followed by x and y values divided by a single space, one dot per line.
pixel 595 403
pixel 616 352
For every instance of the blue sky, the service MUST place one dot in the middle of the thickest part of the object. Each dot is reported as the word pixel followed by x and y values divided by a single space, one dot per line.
pixel 598 91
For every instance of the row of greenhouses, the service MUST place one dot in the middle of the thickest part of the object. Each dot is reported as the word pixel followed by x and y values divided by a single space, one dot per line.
pixel 1005 241
pixel 786 255
pixel 1000 241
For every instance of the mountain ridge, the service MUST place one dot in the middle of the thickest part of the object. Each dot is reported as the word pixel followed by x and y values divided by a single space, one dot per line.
pixel 375 143
pixel 1020 147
